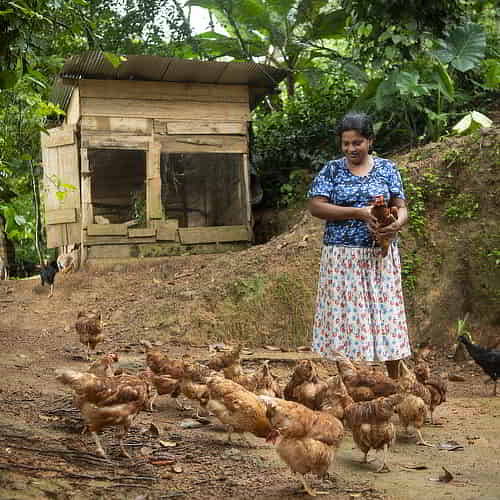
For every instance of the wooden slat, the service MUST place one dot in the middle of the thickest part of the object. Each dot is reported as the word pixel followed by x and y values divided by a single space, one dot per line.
pixel 110 251
pixel 115 141
pixel 122 89
pixel 166 230
pixel 73 111
pixel 246 191
pixel 203 144
pixel 61 216
pixel 219 234
pixel 59 137
pixel 207 127
pixel 107 230
pixel 141 232
pixel 153 186
pixel 117 240
pixel 105 124
pixel 187 110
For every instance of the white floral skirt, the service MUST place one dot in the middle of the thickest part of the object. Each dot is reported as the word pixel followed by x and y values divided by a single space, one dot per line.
pixel 360 308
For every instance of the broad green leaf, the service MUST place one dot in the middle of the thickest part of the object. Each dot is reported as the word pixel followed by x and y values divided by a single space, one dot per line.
pixel 408 84
pixel 464 48
pixel 471 122
pixel 329 25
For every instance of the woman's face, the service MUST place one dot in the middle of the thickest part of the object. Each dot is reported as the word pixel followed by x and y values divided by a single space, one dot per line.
pixel 355 147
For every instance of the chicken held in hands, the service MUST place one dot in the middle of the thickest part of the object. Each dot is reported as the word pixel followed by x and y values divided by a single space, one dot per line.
pixel 89 329
pixel 304 385
pixel 384 216
pixel 306 440
pixel 106 401
pixel 236 407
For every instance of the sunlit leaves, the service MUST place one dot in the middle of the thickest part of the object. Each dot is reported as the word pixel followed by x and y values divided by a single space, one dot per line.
pixel 471 122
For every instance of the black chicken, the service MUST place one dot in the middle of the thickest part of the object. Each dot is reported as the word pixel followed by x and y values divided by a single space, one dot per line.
pixel 48 274
pixel 487 359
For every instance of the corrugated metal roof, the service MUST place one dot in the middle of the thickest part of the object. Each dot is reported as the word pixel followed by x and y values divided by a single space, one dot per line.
pixel 261 79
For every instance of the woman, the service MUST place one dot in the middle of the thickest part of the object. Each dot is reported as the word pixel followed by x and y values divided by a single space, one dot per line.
pixel 360 309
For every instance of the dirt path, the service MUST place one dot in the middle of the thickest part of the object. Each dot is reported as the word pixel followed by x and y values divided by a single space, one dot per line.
pixel 44 455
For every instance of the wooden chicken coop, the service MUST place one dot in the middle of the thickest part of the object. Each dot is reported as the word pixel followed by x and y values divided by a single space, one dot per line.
pixel 152 157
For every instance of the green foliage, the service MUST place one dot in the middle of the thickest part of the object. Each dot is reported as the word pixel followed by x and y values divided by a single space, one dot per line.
pixel 463 48
pixel 495 255
pixel 410 264
pixel 294 191
pixel 464 206
pixel 300 137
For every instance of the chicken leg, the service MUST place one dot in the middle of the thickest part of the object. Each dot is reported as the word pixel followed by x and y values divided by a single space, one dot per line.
pixel 421 440
pixel 383 467
pixel 310 491
pixel 100 449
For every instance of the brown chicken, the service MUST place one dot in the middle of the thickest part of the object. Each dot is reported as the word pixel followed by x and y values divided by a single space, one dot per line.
pixel 106 401
pixel 259 381
pixel 384 216
pixel 163 385
pixel 306 440
pixel 89 329
pixel 224 359
pixel 193 384
pixel 362 383
pixel 160 364
pixel 331 399
pixel 304 385
pixel 236 407
pixel 432 390
pixel 104 367
pixel 370 422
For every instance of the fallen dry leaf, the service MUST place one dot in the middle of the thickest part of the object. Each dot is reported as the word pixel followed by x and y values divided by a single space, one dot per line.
pixel 414 467
pixel 167 444
pixel 443 478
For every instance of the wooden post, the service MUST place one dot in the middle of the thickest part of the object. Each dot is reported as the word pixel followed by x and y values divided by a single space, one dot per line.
pixel 153 183
pixel 246 194
pixel 87 210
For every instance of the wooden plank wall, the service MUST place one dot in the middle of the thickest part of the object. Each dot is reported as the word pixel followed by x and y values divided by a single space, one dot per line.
pixel 159 117
pixel 60 159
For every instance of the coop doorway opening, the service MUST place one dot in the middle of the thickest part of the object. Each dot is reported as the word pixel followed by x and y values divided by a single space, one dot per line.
pixel 118 186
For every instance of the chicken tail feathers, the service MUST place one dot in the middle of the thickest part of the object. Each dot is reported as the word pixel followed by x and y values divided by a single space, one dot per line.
pixel 74 379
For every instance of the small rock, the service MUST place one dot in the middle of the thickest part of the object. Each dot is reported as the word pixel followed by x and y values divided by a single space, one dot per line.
pixel 455 377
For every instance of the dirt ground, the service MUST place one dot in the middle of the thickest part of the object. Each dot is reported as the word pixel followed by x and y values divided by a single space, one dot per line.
pixel 44 455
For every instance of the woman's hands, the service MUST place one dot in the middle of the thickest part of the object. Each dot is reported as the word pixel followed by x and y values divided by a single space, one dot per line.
pixel 365 214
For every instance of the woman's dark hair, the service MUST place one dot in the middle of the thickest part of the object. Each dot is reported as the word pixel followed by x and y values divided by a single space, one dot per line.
pixel 360 122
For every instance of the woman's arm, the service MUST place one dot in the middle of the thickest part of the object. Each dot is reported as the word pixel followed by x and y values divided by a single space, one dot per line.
pixel 320 207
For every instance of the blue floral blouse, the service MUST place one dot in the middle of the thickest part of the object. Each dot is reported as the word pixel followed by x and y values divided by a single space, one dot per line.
pixel 341 187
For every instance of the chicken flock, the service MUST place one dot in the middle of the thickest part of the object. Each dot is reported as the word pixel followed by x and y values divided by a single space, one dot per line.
pixel 306 418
